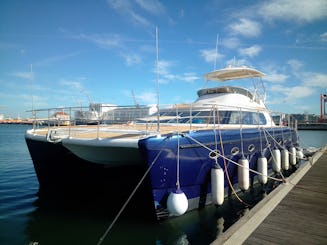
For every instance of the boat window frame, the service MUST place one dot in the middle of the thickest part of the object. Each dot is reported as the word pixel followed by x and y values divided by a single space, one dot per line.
pixel 226 117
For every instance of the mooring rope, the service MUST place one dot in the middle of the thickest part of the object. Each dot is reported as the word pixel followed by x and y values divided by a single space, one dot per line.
pixel 261 151
pixel 178 153
pixel 130 196
pixel 280 144
pixel 215 132
pixel 272 155
pixel 211 151
pixel 241 134
pixel 225 165
pixel 230 160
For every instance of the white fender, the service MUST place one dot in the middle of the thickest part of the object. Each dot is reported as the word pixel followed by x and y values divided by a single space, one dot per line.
pixel 292 155
pixel 177 203
pixel 243 174
pixel 262 167
pixel 299 155
pixel 276 158
pixel 217 186
pixel 285 159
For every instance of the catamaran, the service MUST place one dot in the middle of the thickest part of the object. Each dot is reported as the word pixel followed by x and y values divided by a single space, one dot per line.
pixel 186 155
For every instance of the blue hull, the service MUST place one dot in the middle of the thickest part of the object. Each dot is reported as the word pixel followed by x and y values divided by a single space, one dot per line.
pixel 195 163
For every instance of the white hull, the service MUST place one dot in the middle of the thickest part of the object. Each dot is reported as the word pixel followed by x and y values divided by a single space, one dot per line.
pixel 110 152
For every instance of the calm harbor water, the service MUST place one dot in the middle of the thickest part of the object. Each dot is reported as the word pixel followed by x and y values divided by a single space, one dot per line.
pixel 25 219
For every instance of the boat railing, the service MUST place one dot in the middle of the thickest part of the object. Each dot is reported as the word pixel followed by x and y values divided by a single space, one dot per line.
pixel 122 118
pixel 95 114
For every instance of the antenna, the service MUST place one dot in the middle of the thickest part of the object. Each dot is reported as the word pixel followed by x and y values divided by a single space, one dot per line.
pixel 157 81
pixel 31 77
pixel 134 99
pixel 216 55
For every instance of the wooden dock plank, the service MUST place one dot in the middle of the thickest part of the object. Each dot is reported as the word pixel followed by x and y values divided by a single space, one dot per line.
pixel 301 217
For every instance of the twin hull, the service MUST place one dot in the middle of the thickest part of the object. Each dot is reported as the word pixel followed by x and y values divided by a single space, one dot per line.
pixel 184 157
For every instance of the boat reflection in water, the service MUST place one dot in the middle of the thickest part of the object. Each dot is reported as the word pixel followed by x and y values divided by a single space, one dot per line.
pixel 59 220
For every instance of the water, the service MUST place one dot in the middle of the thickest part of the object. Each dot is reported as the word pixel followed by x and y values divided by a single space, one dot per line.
pixel 311 138
pixel 24 218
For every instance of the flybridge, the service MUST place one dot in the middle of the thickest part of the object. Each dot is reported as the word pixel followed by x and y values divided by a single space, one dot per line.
pixel 232 73
pixel 236 73
pixel 227 89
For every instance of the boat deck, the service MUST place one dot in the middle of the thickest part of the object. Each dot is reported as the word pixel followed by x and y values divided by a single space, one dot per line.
pixel 290 214
pixel 108 131
pixel 123 130
pixel 300 218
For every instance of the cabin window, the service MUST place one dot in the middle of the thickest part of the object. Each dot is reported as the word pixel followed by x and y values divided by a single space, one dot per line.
pixel 229 117
pixel 207 117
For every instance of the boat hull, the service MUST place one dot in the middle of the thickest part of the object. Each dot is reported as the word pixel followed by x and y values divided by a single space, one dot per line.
pixel 63 175
pixel 60 170
pixel 111 152
pixel 195 162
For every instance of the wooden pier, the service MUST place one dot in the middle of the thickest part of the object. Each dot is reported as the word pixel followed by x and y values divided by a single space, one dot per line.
pixel 294 213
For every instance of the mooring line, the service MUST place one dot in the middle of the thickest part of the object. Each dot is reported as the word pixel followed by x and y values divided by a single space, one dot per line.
pixel 230 160
pixel 130 196
pixel 225 165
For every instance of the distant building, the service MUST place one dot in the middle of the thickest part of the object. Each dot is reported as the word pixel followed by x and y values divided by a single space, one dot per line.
pixel 300 118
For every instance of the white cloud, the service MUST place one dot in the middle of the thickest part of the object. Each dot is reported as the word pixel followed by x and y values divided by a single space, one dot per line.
pixel 151 6
pixel 53 59
pixel 298 11
pixel 251 51
pixel 132 59
pixel 24 75
pixel 275 77
pixel 316 80
pixel 293 93
pixel 103 41
pixel 139 19
pixel 295 64
pixel 166 76
pixel 298 92
pixel 246 28
pixel 163 67
pixel 189 77
pixel 72 85
pixel 210 55
pixel 146 98
pixel 323 37
pixel 112 42
pixel 231 42
pixel 119 4
pixel 127 8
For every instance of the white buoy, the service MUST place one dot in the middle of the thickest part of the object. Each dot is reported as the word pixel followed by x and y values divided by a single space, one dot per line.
pixel 285 159
pixel 243 174
pixel 177 203
pixel 262 167
pixel 276 164
pixel 217 186
pixel 292 155
pixel 299 155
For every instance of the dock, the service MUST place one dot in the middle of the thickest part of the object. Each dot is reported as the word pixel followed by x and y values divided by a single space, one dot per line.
pixel 312 126
pixel 294 213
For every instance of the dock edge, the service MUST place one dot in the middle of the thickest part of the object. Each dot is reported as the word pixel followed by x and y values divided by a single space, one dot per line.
pixel 243 228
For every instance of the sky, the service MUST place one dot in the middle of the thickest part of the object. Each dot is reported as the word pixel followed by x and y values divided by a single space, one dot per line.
pixel 70 53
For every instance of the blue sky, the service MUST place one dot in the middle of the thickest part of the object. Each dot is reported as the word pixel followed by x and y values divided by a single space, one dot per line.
pixel 104 51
